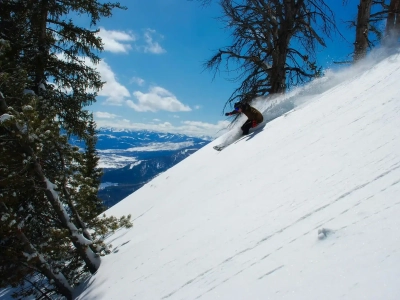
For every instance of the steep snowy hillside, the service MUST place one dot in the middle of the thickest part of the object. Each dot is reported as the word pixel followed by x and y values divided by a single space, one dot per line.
pixel 307 207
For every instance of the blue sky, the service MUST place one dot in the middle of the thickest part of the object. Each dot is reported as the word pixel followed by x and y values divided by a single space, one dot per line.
pixel 153 66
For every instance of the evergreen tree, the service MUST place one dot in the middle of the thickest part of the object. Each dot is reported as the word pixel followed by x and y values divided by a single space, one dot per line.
pixel 49 46
pixel 48 187
pixel 26 218
pixel 91 206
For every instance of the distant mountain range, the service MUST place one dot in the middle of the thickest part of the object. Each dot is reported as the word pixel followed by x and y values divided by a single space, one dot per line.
pixel 132 158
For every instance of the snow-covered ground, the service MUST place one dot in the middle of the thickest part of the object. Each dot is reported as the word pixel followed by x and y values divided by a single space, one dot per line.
pixel 305 208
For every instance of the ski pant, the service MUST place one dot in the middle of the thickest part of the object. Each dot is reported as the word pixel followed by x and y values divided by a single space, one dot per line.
pixel 247 125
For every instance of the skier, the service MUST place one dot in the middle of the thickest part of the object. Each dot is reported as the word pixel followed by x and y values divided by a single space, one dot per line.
pixel 253 115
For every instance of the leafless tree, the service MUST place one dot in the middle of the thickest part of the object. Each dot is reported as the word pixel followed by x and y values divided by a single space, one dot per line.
pixel 274 44
pixel 393 20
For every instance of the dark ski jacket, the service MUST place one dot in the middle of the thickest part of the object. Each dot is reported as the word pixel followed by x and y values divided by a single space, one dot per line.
pixel 250 112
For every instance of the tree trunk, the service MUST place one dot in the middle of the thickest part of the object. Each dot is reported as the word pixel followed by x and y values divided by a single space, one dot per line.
pixel 79 222
pixel 79 241
pixel 393 22
pixel 36 260
pixel 43 51
pixel 278 74
pixel 361 42
pixel 58 280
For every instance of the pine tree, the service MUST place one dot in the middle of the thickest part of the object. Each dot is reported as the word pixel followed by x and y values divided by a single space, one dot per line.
pixel 91 206
pixel 23 219
pixel 48 186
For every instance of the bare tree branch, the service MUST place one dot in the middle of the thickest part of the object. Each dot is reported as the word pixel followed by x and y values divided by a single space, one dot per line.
pixel 273 44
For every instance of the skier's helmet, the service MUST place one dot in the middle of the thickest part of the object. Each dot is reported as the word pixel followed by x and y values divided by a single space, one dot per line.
pixel 237 105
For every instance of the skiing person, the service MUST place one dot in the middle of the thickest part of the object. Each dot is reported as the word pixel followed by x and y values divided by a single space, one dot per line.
pixel 253 115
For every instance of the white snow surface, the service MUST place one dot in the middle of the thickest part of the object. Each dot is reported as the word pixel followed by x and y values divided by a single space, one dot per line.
pixel 114 161
pixel 306 208
pixel 5 117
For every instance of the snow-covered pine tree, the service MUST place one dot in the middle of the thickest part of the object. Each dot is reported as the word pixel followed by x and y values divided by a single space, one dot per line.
pixel 27 221
pixel 40 172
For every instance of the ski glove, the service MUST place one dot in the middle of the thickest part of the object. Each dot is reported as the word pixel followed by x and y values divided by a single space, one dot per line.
pixel 227 114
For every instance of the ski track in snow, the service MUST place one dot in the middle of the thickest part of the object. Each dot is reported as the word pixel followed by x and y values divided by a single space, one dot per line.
pixel 200 276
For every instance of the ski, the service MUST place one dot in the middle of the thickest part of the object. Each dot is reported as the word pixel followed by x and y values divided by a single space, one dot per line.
pixel 219 147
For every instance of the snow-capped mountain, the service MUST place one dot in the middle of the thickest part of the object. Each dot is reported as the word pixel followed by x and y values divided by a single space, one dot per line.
pixel 138 138
pixel 118 148
pixel 307 207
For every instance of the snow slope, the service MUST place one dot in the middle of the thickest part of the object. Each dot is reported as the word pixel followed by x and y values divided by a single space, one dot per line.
pixel 243 223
